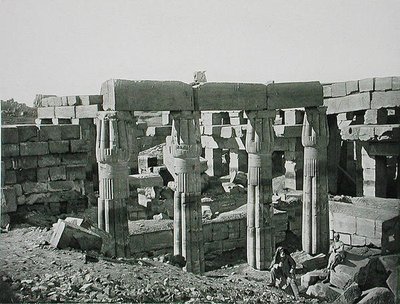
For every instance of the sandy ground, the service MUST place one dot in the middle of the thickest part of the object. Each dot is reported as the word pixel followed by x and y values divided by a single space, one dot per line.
pixel 32 271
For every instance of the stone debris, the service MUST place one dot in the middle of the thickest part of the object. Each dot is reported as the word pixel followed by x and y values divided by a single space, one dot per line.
pixel 377 295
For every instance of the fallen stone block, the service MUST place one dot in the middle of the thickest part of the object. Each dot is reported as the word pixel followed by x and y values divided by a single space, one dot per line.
pixel 312 277
pixel 70 235
pixel 348 272
pixel 393 283
pixel 377 295
pixel 316 262
pixel 323 291
pixel 350 295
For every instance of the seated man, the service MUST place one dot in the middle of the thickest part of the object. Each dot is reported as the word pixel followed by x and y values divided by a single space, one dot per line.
pixel 336 256
pixel 283 269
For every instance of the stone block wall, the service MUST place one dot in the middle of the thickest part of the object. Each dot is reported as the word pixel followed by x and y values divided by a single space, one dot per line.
pixel 367 221
pixel 44 164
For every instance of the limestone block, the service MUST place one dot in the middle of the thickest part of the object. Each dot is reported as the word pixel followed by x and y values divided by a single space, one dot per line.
pixel 33 187
pixel 61 121
pixel 323 291
pixel 230 96
pixel 366 85
pixel 388 99
pixel 343 222
pixel 213 247
pixel 43 174
pixel 88 100
pixel 365 227
pixel 10 177
pixel 158 240
pixel 338 89
pixel 57 173
pixel 49 133
pixel 383 84
pixel 9 135
pixel 54 186
pixel 27 133
pixel 294 95
pixel 79 145
pixel 26 175
pixel 377 295
pixel 70 131
pixel 350 103
pixel 89 111
pixel 46 112
pixel 74 158
pixel 73 100
pixel 147 95
pixel 25 162
pixel 69 235
pixel 136 243
pixel 348 272
pixel 49 160
pixel 145 180
pixel 357 240
pixel 351 87
pixel 371 132
pixel 76 172
pixel 350 295
pixel 65 112
pixel 316 262
pixel 8 199
pixel 220 231
pixel 312 277
pixel 34 148
pixel 327 89
pixel 52 101
pixel 59 146
pixel 8 150
pixel 393 283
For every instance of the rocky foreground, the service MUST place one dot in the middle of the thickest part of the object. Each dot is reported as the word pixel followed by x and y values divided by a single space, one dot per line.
pixel 32 271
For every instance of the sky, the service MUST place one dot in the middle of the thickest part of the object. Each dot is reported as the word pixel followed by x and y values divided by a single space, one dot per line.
pixel 71 47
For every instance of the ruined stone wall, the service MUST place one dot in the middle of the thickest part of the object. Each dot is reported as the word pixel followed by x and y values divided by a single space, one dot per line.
pixel 44 166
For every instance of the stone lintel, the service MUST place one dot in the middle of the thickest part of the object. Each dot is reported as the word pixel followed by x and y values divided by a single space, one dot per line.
pixel 288 131
pixel 371 132
pixel 230 96
pixel 146 95
pixel 350 103
pixel 294 95
pixel 388 99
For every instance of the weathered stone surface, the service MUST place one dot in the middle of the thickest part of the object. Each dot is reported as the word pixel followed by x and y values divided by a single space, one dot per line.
pixel 43 174
pixel 49 160
pixel 383 148
pixel 323 291
pixel 49 133
pixel 8 199
pixel 66 234
pixel 388 99
pixel 327 91
pixel 46 112
pixel 59 146
pixel 294 95
pixel 338 89
pixel 89 111
pixel 393 283
pixel 74 158
pixel 52 101
pixel 145 180
pixel 79 145
pixel 34 148
pixel 70 131
pixel 9 135
pixel 76 172
pixel 147 95
pixel 377 295
pixel 350 103
pixel 32 187
pixel 87 100
pixel 375 116
pixel 312 277
pixel 350 295
pixel 25 162
pixel 9 150
pixel 348 272
pixel 351 87
pixel 27 133
pixel 383 84
pixel 57 173
pixel 288 131
pixel 366 85
pixel 371 132
pixel 230 96
pixel 65 112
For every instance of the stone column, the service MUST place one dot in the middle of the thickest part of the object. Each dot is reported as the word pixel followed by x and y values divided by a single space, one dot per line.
pixel 315 230
pixel 113 146
pixel 259 146
pixel 186 150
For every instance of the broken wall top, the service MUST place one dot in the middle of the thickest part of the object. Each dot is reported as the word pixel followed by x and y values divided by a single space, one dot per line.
pixel 147 95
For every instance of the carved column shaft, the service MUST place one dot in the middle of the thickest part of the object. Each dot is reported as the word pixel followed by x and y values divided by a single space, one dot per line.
pixel 113 144
pixel 259 146
pixel 186 149
pixel 315 228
